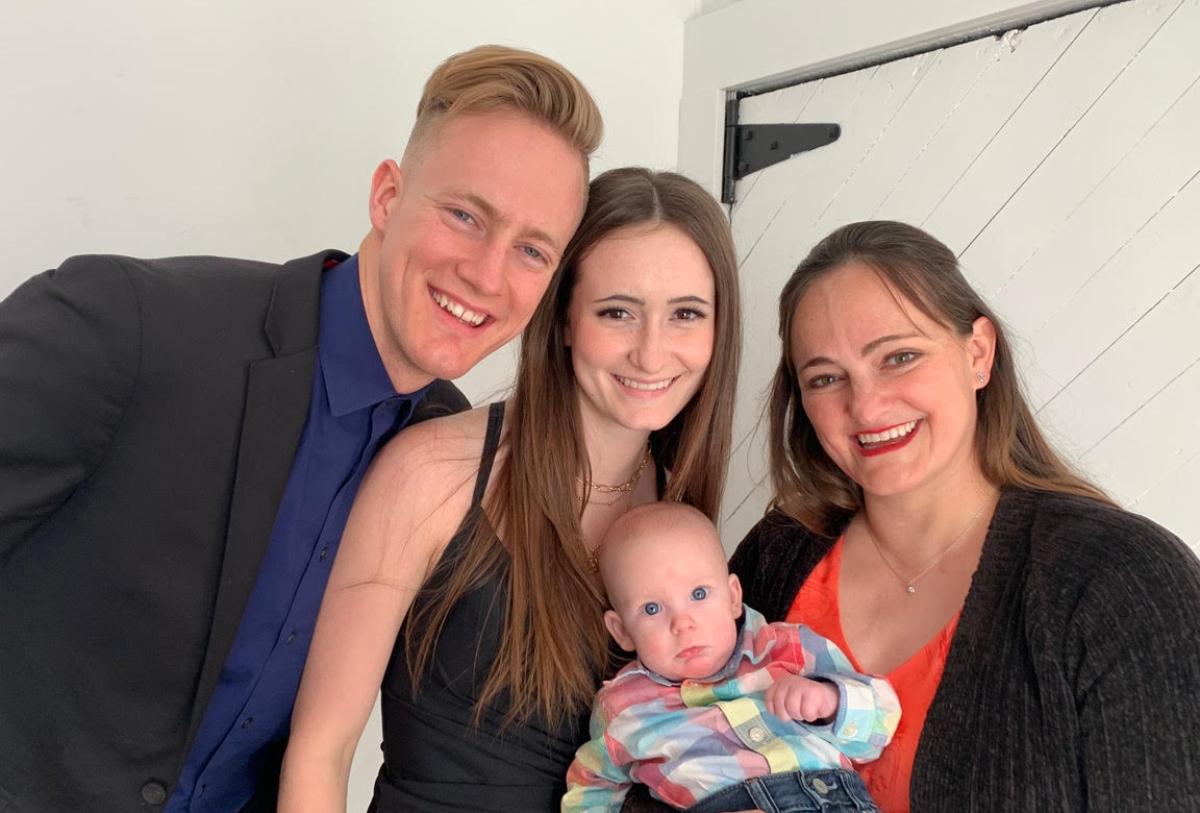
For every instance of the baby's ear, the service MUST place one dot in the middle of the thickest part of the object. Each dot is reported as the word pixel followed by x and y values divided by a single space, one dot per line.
pixel 735 595
pixel 617 630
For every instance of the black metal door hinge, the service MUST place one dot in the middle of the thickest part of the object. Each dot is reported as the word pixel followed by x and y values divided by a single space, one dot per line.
pixel 751 147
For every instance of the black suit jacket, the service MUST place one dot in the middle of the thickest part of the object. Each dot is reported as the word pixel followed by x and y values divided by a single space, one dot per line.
pixel 149 412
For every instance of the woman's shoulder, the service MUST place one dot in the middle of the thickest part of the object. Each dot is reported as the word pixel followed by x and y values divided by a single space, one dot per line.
pixel 1103 553
pixel 779 532
pixel 774 559
pixel 417 491
pixel 1070 524
pixel 431 463
pixel 445 441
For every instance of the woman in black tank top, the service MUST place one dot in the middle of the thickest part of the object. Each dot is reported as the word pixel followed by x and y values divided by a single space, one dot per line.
pixel 464 584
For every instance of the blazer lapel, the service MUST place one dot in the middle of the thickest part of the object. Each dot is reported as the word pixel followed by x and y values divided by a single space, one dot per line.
pixel 277 398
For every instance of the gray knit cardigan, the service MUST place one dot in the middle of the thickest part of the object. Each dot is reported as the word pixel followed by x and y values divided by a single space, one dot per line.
pixel 1073 678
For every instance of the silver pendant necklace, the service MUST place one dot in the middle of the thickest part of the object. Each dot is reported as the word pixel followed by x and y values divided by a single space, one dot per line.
pixel 910 584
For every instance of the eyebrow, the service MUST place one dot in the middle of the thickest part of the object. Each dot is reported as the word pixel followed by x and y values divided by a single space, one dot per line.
pixel 633 300
pixel 492 213
pixel 866 349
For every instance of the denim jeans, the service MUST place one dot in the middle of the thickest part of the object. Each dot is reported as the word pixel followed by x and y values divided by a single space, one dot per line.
pixel 832 791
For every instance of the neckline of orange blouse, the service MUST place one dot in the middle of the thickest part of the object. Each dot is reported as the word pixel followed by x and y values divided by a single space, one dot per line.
pixel 916 680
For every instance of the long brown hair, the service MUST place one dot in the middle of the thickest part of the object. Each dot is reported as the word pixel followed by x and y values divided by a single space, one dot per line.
pixel 554 643
pixel 1011 449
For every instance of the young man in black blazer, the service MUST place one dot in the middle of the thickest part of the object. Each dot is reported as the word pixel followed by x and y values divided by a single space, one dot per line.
pixel 180 442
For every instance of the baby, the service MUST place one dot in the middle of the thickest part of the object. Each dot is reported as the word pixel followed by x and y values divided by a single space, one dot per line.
pixel 721 711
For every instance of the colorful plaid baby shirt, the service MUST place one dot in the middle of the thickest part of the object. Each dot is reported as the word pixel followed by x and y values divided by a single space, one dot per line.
pixel 689 740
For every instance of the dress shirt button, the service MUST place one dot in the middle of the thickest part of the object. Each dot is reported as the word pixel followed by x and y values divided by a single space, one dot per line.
pixel 154 793
pixel 324 552
pixel 291 636
pixel 819 786
pixel 249 721
pixel 757 734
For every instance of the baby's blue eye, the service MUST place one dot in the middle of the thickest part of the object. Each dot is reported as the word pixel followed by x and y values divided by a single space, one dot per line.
pixel 651 608
pixel 699 594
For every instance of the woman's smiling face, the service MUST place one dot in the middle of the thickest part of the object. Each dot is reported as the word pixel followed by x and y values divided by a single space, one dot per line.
pixel 641 325
pixel 889 392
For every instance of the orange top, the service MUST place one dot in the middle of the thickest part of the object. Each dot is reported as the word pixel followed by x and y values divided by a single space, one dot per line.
pixel 915 681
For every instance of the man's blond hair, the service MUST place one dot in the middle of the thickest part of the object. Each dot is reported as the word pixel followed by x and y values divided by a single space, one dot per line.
pixel 495 77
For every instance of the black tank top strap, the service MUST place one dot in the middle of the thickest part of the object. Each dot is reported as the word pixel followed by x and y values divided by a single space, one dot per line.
pixel 474 515
pixel 491 442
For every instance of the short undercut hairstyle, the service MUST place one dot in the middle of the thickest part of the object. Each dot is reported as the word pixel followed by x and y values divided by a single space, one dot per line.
pixel 494 77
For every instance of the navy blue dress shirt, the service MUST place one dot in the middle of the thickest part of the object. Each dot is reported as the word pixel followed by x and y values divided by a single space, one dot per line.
pixel 354 410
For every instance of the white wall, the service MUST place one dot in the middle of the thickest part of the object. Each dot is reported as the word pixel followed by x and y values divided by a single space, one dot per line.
pixel 251 129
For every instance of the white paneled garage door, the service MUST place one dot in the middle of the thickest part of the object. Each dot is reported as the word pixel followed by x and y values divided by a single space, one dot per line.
pixel 1060 162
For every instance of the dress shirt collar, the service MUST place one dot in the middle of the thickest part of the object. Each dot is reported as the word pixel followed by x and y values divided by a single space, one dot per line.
pixel 744 648
pixel 355 377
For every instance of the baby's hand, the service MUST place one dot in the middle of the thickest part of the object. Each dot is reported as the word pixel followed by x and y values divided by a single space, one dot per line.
pixel 792 697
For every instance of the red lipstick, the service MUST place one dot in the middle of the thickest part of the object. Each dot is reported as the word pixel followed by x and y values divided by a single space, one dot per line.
pixel 885 446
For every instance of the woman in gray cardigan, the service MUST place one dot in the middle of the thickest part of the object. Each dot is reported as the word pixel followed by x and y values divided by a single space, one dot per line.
pixel 1045 643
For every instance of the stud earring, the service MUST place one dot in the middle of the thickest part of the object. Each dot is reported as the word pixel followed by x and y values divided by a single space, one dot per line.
pixel 980 377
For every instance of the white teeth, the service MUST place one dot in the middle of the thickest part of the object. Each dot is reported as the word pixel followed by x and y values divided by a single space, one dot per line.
pixel 651 387
pixel 890 434
pixel 462 314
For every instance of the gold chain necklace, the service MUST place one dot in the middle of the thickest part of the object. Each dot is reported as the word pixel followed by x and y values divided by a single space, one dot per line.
pixel 620 491
pixel 624 488
pixel 910 585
